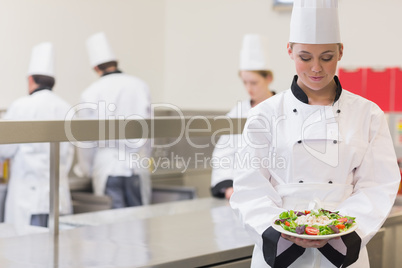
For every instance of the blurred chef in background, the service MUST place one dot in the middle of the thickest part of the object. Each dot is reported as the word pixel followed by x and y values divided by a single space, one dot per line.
pixel 117 96
pixel 256 77
pixel 27 200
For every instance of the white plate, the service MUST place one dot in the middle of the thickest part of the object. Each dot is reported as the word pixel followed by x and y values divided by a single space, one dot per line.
pixel 312 237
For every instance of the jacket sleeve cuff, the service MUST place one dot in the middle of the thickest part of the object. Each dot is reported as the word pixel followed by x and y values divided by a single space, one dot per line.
pixel 219 189
pixel 270 240
pixel 352 242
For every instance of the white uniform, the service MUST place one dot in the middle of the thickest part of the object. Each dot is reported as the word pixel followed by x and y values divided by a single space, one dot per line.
pixel 117 96
pixel 28 188
pixel 225 153
pixel 338 157
pixel 253 57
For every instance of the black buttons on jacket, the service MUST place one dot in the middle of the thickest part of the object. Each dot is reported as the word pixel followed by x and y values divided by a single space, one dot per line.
pixel 300 181
pixel 330 182
pixel 335 141
pixel 338 111
pixel 299 141
pixel 295 110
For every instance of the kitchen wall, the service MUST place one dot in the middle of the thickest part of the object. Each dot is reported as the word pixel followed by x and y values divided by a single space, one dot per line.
pixel 203 39
pixel 134 27
pixel 187 50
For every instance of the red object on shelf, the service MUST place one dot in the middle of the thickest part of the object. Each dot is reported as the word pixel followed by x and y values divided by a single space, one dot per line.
pixel 397 91
pixel 400 168
pixel 353 80
pixel 384 87
pixel 378 87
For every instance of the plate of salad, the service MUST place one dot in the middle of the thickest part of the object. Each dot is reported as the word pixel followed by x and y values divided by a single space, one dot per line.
pixel 314 224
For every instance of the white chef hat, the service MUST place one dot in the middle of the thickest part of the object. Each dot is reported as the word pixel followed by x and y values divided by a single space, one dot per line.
pixel 99 49
pixel 315 22
pixel 254 54
pixel 42 60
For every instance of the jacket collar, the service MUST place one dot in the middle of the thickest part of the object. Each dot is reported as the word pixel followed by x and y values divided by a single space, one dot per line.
pixel 301 96
pixel 39 89
pixel 114 72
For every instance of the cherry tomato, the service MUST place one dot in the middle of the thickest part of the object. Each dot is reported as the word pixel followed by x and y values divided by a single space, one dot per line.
pixel 340 226
pixel 311 230
pixel 287 223
pixel 342 220
pixel 307 212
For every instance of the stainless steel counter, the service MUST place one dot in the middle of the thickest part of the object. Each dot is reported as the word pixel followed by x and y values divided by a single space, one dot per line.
pixel 10 230
pixel 191 233
pixel 184 234
pixel 392 249
pixel 144 212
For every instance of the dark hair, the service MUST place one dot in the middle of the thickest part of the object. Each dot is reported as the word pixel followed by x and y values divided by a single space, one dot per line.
pixel 104 66
pixel 263 73
pixel 44 80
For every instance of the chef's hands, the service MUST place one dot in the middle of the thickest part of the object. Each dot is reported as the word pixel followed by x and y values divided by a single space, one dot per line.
pixel 306 243
pixel 228 193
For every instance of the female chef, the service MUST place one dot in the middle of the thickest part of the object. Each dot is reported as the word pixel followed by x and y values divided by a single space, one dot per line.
pixel 336 147
pixel 256 77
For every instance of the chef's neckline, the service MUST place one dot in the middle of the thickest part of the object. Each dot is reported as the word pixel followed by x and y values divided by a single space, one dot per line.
pixel 301 96
pixel 114 72
pixel 40 89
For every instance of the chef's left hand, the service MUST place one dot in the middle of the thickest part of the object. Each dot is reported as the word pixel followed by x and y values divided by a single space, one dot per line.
pixel 228 193
pixel 306 243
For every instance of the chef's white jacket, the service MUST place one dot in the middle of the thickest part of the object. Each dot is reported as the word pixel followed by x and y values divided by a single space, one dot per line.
pixel 224 154
pixel 299 156
pixel 28 187
pixel 116 96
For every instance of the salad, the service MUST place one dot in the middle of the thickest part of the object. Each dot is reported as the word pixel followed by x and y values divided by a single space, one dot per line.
pixel 319 222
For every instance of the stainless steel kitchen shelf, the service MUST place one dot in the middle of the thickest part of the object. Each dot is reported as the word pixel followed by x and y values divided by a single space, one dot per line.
pixel 57 131
pixel 93 130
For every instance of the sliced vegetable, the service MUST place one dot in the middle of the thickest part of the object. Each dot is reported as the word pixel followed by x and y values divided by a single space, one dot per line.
pixel 311 230
pixel 325 230
pixel 333 228
pixel 342 220
pixel 300 229
pixel 280 220
pixel 340 226
pixel 292 215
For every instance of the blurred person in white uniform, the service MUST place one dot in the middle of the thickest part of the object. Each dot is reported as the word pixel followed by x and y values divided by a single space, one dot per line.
pixel 332 150
pixel 117 96
pixel 27 201
pixel 256 76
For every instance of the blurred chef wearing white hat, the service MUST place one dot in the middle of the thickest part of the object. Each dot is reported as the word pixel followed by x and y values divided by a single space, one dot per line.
pixel 327 148
pixel 255 73
pixel 27 200
pixel 124 97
